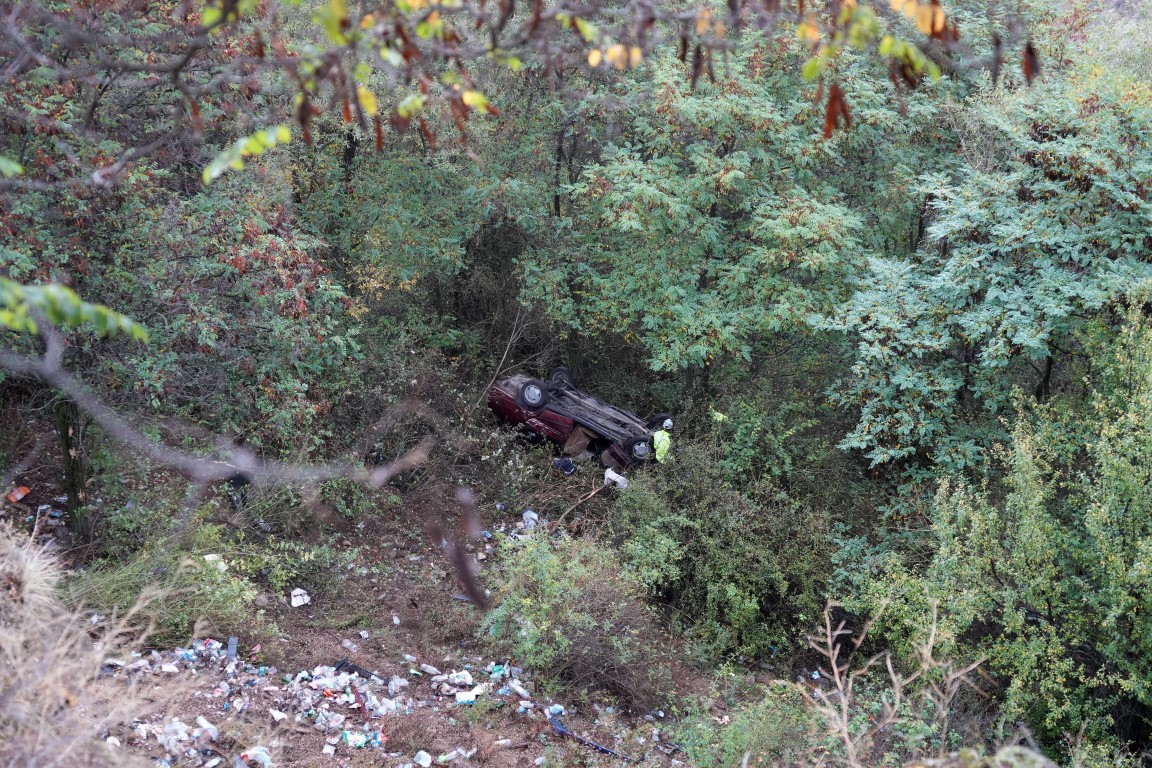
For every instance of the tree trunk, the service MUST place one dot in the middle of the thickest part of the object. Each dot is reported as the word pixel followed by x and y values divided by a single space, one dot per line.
pixel 70 428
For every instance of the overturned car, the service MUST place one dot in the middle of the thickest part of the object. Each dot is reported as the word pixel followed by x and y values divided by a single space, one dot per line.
pixel 576 421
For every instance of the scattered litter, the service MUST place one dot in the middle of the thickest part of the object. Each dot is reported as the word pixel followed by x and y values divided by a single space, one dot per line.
pixel 217 562
pixel 115 742
pixel 206 729
pixel 615 478
pixel 530 518
pixel 18 493
pixel 300 597
pixel 395 619
pixel 363 635
pixel 344 703
pixel 258 755
pixel 349 645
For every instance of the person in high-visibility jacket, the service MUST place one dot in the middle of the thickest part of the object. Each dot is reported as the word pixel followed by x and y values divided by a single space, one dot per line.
pixel 662 441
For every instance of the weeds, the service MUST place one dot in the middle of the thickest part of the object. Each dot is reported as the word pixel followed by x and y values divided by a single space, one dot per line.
pixel 50 712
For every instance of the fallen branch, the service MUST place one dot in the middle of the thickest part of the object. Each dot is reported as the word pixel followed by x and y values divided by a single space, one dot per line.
pixel 579 501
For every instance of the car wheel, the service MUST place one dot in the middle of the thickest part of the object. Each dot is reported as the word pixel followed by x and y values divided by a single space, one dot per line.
pixel 562 377
pixel 533 395
pixel 657 421
pixel 638 448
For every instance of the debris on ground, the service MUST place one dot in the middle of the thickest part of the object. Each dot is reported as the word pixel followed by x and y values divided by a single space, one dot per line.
pixel 348 705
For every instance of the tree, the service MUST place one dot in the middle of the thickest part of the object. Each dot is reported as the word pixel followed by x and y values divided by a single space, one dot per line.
pixel 1044 226
pixel 92 88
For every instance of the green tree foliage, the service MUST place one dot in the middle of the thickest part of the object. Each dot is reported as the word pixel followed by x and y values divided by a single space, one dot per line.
pixel 59 306
pixel 1044 225
pixel 1047 570
pixel 714 218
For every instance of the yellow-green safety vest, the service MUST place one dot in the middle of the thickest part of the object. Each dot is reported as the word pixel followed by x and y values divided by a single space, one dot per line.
pixel 662 442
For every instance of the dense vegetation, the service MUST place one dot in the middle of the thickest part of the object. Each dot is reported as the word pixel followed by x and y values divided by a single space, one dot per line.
pixel 909 360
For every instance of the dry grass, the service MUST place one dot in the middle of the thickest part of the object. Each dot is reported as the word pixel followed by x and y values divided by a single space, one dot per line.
pixel 50 711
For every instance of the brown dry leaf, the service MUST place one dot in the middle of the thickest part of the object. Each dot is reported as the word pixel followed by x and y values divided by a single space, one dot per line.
pixel 1031 63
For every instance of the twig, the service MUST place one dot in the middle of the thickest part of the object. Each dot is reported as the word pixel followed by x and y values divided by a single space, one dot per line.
pixel 579 501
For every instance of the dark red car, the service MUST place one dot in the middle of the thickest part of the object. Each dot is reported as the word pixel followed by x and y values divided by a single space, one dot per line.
pixel 554 408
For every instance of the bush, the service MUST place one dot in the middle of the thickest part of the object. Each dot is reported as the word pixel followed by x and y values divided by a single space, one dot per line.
pixel 744 567
pixel 776 730
pixel 567 611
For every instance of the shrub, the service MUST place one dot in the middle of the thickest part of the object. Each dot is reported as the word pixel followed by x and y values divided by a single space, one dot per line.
pixel 567 611
pixel 746 566
pixel 776 730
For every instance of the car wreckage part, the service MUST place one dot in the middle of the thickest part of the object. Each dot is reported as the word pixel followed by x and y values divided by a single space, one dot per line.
pixel 638 448
pixel 561 377
pixel 533 394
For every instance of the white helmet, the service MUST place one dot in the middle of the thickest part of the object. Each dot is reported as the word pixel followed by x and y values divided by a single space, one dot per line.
pixel 667 424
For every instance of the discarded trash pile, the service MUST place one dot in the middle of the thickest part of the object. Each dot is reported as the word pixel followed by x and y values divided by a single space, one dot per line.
pixel 346 704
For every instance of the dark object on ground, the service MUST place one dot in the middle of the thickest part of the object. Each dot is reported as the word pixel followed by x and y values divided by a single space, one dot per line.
pixel 562 731
pixel 565 465
pixel 237 489
pixel 232 643
pixel 573 419
pixel 346 666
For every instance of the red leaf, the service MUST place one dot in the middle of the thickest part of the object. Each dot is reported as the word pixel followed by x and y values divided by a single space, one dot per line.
pixel 428 135
pixel 1031 63
pixel 399 124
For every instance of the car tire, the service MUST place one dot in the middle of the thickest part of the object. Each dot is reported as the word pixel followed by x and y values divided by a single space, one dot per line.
pixel 533 395
pixel 657 421
pixel 638 448
pixel 562 377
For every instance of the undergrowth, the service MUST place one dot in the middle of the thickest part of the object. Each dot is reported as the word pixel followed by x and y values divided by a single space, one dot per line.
pixel 567 611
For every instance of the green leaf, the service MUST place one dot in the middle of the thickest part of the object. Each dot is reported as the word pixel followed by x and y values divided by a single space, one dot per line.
pixel 256 144
pixel 410 106
pixel 60 306
pixel 10 168
pixel 812 69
